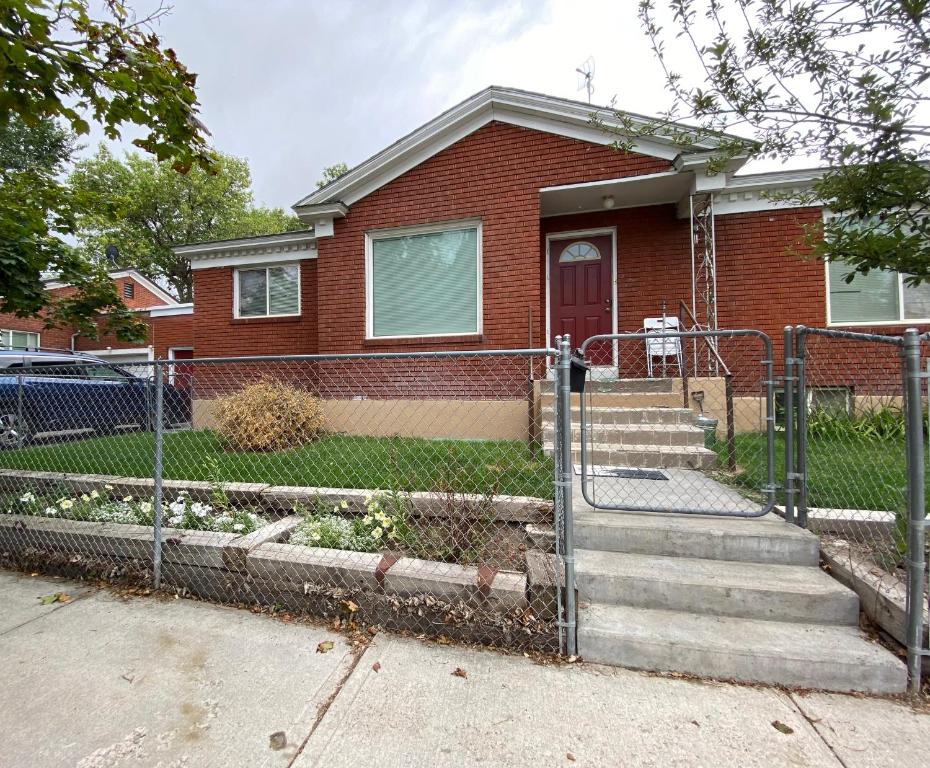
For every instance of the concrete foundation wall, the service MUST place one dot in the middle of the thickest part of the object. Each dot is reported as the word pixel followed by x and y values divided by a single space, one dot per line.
pixel 450 419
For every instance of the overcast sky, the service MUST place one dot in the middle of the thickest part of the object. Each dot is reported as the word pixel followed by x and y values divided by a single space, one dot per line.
pixel 296 85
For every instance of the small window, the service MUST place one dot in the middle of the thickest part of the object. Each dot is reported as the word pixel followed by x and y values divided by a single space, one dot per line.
pixel 878 297
pixel 579 252
pixel 830 399
pixel 424 282
pixel 129 290
pixel 19 340
pixel 268 291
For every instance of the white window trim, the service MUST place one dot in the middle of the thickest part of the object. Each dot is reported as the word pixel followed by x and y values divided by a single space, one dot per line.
pixel 868 323
pixel 11 331
pixel 265 267
pixel 382 234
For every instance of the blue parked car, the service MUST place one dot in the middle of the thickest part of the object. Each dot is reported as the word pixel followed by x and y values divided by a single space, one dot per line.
pixel 44 393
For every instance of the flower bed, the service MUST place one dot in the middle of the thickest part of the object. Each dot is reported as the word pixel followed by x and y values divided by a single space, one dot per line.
pixel 183 513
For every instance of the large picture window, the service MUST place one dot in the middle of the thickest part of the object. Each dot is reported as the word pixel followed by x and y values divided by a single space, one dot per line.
pixel 19 340
pixel 424 281
pixel 267 291
pixel 878 297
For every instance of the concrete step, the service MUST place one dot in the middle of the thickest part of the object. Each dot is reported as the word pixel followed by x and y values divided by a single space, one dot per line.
pixel 639 386
pixel 636 434
pixel 621 400
pixel 643 456
pixel 623 416
pixel 716 587
pixel 764 540
pixel 833 658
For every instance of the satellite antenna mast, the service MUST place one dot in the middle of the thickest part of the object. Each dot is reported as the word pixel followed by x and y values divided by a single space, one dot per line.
pixel 586 76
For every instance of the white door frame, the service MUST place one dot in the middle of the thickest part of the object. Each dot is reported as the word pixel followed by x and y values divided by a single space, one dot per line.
pixel 171 357
pixel 602 371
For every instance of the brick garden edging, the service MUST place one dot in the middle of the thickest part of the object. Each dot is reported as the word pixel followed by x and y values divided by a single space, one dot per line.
pixel 501 608
pixel 276 498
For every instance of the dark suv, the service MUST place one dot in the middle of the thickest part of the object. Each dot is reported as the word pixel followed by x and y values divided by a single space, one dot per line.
pixel 45 393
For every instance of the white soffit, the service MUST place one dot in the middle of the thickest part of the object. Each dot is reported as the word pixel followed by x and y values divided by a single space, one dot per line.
pixel 627 192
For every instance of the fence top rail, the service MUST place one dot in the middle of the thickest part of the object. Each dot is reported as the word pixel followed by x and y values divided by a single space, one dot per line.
pixel 641 336
pixel 439 354
pixel 836 333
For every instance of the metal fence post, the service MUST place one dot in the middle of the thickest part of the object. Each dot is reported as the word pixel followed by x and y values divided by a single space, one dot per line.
pixel 800 434
pixel 917 515
pixel 790 488
pixel 564 443
pixel 20 424
pixel 157 471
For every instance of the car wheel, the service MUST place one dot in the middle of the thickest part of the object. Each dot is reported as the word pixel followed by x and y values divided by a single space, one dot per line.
pixel 13 431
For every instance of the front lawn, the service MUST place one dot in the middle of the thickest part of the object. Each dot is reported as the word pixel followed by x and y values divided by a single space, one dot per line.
pixel 334 461
pixel 851 472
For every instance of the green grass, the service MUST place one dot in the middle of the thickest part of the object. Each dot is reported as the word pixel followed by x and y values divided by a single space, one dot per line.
pixel 335 461
pixel 851 472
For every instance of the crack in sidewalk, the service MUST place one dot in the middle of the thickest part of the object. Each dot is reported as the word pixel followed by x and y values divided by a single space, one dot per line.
pixel 813 724
pixel 324 707
pixel 56 607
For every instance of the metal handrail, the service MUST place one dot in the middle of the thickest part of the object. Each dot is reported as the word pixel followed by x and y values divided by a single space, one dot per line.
pixel 711 347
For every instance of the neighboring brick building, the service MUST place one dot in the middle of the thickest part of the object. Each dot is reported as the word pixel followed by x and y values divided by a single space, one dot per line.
pixel 457 236
pixel 170 324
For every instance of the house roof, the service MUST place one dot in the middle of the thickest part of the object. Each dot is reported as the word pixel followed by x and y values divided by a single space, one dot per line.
pixel 137 276
pixel 550 114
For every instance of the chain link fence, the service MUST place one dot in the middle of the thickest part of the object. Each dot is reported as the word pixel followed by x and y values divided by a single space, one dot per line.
pixel 689 425
pixel 858 469
pixel 409 491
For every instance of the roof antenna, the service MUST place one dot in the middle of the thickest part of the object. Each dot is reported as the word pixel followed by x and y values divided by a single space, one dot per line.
pixel 586 76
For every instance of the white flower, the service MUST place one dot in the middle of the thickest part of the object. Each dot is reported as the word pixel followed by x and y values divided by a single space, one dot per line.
pixel 127 499
pixel 182 494
pixel 368 519
pixel 376 533
pixel 108 487
pixel 238 527
pixel 95 494
pixel 223 520
pixel 27 498
pixel 343 504
pixel 85 497
pixel 51 511
pixel 145 507
pixel 314 536
pixel 175 519
pixel 66 503
pixel 200 510
pixel 177 507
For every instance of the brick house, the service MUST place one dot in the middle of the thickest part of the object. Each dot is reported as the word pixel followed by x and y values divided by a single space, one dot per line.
pixel 506 183
pixel 511 218
pixel 170 325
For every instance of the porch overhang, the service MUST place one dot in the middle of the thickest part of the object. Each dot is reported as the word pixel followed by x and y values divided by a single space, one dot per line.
pixel 627 192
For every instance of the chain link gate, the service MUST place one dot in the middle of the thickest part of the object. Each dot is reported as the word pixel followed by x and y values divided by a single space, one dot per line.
pixel 694 433
pixel 855 460
pixel 416 491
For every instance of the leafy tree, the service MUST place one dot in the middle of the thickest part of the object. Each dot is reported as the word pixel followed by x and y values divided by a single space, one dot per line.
pixel 145 208
pixel 61 62
pixel 331 173
pixel 843 80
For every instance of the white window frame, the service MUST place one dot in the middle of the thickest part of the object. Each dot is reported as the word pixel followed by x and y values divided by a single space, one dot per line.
pixel 11 331
pixel 865 323
pixel 266 267
pixel 385 234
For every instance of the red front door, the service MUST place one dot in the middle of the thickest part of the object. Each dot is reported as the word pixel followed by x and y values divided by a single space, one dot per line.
pixel 580 287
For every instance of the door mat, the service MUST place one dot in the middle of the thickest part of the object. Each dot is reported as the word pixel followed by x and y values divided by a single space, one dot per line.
pixel 623 473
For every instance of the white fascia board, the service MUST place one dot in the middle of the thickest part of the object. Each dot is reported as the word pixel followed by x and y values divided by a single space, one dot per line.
pixel 527 110
pixel 179 309
pixel 286 247
pixel 245 243
pixel 254 257
pixel 744 194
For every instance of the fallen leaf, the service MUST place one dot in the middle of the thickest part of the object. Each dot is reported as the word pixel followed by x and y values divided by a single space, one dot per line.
pixel 376 667
pixel 778 725
pixel 325 647
pixel 277 740
pixel 58 597
pixel 459 672
pixel 569 756
pixel 350 606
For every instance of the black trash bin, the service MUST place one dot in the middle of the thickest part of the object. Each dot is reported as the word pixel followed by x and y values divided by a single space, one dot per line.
pixel 579 373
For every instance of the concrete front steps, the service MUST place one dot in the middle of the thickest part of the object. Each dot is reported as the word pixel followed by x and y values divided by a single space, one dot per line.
pixel 737 599
pixel 633 423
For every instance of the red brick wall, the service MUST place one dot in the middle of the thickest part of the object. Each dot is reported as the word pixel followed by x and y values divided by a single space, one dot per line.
pixel 495 175
pixel 170 331
pixel 142 297
pixel 218 334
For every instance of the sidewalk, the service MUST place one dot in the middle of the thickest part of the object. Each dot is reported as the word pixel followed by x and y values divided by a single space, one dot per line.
pixel 103 681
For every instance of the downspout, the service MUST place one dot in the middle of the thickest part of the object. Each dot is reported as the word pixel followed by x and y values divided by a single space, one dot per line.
pixel 74 340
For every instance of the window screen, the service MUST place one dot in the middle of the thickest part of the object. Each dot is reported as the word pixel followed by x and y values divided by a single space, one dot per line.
pixel 425 284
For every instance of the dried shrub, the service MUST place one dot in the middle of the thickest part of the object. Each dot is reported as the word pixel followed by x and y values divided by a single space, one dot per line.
pixel 268 416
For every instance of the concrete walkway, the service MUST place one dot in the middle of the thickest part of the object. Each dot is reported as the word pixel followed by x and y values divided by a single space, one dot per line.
pixel 103 681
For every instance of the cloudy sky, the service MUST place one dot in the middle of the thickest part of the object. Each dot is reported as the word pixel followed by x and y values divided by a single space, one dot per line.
pixel 296 85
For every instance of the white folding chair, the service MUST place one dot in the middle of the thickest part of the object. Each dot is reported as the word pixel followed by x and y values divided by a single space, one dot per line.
pixel 661 345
